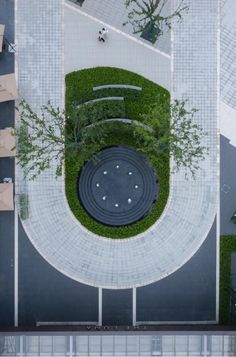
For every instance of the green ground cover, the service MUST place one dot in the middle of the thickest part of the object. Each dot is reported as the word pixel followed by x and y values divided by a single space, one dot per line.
pixel 78 90
pixel 227 247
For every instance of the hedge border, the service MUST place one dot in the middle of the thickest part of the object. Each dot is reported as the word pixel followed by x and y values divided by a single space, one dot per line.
pixel 227 246
pixel 79 84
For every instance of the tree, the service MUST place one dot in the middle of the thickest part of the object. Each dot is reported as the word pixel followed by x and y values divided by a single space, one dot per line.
pixel 43 139
pixel 179 137
pixel 151 16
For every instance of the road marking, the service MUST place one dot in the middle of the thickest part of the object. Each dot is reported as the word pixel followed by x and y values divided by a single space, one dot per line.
pixel 210 322
pixel 66 323
pixel 16 277
pixel 134 307
pixel 100 306
pixel 16 249
pixel 218 183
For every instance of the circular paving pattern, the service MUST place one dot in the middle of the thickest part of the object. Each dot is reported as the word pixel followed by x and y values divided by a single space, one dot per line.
pixel 119 188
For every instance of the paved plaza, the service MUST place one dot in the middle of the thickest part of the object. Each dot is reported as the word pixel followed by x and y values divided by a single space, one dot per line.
pixel 134 280
pixel 114 13
pixel 192 205
pixel 228 117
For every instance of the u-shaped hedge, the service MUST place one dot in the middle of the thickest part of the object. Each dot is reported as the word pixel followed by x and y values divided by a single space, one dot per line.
pixel 79 89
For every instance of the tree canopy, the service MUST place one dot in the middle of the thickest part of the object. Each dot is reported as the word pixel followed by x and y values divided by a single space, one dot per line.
pixel 42 139
pixel 177 135
pixel 154 16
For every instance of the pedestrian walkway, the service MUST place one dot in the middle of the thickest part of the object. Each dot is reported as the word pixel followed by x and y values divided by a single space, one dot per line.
pixel 192 205
pixel 114 13
pixel 83 50
pixel 228 71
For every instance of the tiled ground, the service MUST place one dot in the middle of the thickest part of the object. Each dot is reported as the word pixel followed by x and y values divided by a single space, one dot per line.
pixel 228 52
pixel 114 13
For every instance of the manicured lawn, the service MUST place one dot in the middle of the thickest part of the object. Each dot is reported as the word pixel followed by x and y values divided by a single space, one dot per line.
pixel 79 89
pixel 227 246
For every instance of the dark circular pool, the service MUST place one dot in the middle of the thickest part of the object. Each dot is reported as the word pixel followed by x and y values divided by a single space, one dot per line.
pixel 119 187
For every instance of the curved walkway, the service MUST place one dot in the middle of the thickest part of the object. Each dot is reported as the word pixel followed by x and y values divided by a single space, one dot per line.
pixel 192 205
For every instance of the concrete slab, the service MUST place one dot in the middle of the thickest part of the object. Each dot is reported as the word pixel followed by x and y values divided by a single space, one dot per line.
pixel 117 307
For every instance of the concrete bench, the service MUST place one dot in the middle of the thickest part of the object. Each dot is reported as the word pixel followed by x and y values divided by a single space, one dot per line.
pixel 124 121
pixel 117 86
pixel 100 100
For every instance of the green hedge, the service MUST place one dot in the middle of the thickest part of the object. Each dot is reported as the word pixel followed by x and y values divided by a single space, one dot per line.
pixel 104 110
pixel 78 85
pixel 227 246
pixel 24 206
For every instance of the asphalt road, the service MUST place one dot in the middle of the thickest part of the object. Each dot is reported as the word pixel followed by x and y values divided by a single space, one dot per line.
pixel 186 295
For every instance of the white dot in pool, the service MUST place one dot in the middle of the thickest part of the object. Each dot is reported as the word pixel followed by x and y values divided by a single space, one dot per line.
pixel 97 184
pixel 104 198
pixel 129 200
pixel 104 172
pixel 136 186
pixel 116 204
pixel 130 173
pixel 117 166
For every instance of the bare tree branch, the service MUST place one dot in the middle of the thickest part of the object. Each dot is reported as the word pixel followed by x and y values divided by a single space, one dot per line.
pixel 148 16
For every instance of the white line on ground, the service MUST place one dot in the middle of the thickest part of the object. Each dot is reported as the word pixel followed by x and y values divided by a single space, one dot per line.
pixel 176 322
pixel 218 158
pixel 65 323
pixel 16 251
pixel 100 306
pixel 134 307
pixel 16 266
pixel 73 7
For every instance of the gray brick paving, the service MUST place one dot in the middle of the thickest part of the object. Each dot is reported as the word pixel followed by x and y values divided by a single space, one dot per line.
pixel 192 205
pixel 228 52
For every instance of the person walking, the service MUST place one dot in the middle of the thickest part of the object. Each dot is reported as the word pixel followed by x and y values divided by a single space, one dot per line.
pixel 102 34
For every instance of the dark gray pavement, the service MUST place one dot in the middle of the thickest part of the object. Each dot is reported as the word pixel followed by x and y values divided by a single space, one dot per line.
pixel 46 295
pixel 227 186
pixel 6 269
pixel 117 307
pixel 189 294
